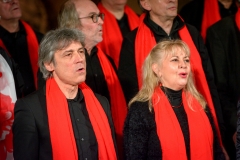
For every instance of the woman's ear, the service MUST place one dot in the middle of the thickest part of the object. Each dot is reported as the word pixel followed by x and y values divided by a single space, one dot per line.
pixel 155 69
pixel 145 4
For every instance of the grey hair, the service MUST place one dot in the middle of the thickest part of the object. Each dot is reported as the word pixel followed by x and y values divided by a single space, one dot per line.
pixel 68 16
pixel 54 41
pixel 150 80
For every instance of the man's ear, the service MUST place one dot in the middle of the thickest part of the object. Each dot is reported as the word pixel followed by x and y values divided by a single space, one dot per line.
pixel 145 4
pixel 49 66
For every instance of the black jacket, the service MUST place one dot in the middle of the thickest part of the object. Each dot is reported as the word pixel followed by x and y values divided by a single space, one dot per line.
pixel 141 141
pixel 31 136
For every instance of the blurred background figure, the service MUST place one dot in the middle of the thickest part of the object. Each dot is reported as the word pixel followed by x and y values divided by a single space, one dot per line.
pixel 204 13
pixel 21 43
pixel 120 19
pixel 223 43
pixel 169 118
pixel 7 100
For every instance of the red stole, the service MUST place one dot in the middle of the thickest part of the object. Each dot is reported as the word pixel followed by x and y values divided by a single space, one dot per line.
pixel 33 45
pixel 112 36
pixel 210 15
pixel 237 18
pixel 60 126
pixel 145 41
pixel 170 133
pixel 117 99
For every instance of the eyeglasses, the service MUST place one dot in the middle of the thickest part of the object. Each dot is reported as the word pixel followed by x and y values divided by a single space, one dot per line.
pixel 95 17
pixel 6 1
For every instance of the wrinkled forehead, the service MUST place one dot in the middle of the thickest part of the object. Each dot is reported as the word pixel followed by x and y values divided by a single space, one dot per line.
pixel 86 7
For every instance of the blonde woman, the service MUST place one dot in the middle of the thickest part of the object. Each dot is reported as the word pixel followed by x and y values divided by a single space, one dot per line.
pixel 169 118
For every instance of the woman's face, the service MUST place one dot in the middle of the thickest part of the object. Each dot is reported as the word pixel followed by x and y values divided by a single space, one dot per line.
pixel 174 70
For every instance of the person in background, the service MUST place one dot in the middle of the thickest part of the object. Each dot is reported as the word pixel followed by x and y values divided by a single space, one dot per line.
pixel 21 43
pixel 204 13
pixel 223 39
pixel 160 21
pixel 169 118
pixel 101 76
pixel 120 20
pixel 64 119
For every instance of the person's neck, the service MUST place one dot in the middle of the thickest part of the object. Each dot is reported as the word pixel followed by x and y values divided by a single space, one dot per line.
pixel 69 91
pixel 164 23
pixel 117 11
pixel 226 3
pixel 10 25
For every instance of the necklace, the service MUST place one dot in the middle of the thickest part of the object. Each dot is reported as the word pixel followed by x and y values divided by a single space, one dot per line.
pixel 178 106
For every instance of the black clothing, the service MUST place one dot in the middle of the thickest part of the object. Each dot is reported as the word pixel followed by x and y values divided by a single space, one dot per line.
pixel 16 44
pixel 223 39
pixel 95 78
pixel 141 141
pixel 127 66
pixel 31 136
pixel 123 25
pixel 86 141
pixel 238 132
pixel 192 12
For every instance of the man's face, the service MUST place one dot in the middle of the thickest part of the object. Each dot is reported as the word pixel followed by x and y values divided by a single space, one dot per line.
pixel 161 8
pixel 92 31
pixel 69 67
pixel 10 10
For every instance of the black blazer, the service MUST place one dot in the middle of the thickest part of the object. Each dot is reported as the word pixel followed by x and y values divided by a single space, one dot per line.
pixel 31 136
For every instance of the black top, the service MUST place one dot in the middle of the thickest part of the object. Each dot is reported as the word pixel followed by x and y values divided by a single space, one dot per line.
pixel 16 44
pixel 123 25
pixel 192 12
pixel 95 78
pixel 86 141
pixel 175 99
pixel 141 141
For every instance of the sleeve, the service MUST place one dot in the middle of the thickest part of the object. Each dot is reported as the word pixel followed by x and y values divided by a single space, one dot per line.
pixel 140 137
pixel 208 70
pixel 238 132
pixel 220 65
pixel 127 69
pixel 217 149
pixel 25 135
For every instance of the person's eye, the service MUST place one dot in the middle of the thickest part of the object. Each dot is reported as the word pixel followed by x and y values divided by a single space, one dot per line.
pixel 187 60
pixel 174 60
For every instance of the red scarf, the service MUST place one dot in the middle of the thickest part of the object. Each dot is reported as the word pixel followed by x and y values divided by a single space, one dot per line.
pixel 117 99
pixel 33 45
pixel 112 36
pixel 237 18
pixel 170 133
pixel 210 15
pixel 145 41
pixel 60 126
